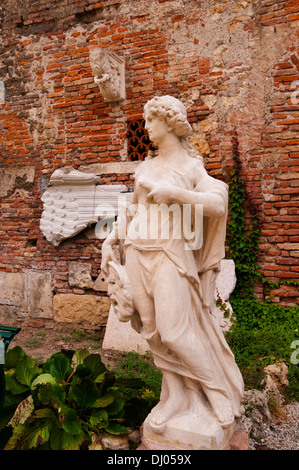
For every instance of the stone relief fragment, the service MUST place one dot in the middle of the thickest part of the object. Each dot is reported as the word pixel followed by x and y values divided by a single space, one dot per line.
pixel 75 200
pixel 109 71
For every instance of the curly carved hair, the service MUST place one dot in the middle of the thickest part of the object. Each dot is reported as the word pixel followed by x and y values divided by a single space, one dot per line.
pixel 172 110
pixel 175 114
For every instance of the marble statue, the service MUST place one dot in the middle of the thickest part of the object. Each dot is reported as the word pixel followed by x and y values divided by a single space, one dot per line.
pixel 172 285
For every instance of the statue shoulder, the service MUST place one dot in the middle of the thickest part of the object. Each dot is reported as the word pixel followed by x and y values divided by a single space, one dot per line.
pixel 203 180
pixel 140 168
pixel 196 170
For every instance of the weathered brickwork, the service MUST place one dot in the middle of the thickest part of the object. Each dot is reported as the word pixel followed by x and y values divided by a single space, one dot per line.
pixel 234 64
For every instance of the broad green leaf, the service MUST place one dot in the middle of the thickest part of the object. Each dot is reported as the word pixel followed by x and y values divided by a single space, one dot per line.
pixel 115 407
pixel 84 394
pixel 13 357
pixel 94 362
pixel 79 356
pixel 44 413
pixel 99 419
pixel 12 385
pixel 103 401
pixel 100 378
pixel 26 371
pixel 43 379
pixel 59 367
pixel 24 438
pixel 39 436
pixel 17 434
pixel 22 412
pixel 71 441
pixel 83 371
pixel 69 420
pixel 49 394
pixel 116 428
pixel 56 437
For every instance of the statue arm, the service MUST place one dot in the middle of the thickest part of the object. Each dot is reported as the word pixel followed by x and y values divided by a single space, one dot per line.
pixel 213 199
pixel 214 202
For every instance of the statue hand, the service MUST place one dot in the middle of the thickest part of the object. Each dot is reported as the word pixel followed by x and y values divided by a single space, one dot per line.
pixel 107 255
pixel 160 194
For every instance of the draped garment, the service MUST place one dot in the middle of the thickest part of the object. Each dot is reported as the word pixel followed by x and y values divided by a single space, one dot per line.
pixel 173 286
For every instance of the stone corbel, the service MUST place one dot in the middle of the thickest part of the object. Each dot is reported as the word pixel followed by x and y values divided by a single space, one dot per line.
pixel 75 200
pixel 109 74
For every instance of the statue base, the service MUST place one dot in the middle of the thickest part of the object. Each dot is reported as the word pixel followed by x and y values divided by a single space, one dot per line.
pixel 192 432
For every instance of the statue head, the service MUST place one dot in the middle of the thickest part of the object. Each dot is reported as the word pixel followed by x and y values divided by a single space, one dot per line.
pixel 172 111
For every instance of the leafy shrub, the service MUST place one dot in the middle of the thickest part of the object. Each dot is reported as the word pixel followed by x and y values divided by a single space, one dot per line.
pixel 133 364
pixel 130 364
pixel 263 334
pixel 64 402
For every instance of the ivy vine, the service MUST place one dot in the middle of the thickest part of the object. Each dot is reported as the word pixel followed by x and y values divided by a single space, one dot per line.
pixel 243 234
pixel 262 331
pixel 243 229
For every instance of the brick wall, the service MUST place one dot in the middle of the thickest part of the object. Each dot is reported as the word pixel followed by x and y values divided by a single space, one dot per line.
pixel 234 64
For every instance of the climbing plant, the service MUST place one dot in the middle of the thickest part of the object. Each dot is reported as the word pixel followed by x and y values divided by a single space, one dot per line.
pixel 242 235
pixel 264 331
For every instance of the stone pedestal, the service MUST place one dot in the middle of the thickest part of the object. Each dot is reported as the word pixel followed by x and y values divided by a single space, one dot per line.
pixel 232 438
pixel 121 336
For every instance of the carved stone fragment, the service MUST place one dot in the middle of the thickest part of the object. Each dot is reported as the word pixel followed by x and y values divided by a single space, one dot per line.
pixel 75 200
pixel 109 72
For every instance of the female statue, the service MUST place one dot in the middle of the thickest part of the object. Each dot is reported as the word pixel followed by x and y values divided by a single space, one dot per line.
pixel 172 285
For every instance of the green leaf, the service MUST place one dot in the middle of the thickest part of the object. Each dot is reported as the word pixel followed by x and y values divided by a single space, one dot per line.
pixel 39 436
pixel 26 371
pixel 79 356
pixel 24 438
pixel 83 371
pixel 71 441
pixel 13 385
pixel 43 379
pixel 56 437
pixel 115 407
pixel 49 394
pixel 63 440
pixel 99 419
pixel 84 394
pixel 23 411
pixel 103 401
pixel 59 367
pixel 44 413
pixel 95 364
pixel 69 420
pixel 116 428
pixel 16 436
pixel 13 357
pixel 100 378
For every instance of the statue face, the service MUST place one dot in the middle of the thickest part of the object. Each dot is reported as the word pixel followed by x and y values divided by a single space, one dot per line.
pixel 157 128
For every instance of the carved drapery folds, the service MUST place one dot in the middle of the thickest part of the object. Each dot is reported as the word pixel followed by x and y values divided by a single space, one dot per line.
pixel 109 73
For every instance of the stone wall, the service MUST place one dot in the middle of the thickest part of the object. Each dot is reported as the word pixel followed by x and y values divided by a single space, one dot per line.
pixel 234 64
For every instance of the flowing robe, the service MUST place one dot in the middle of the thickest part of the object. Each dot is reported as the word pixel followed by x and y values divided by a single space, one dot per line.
pixel 173 286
